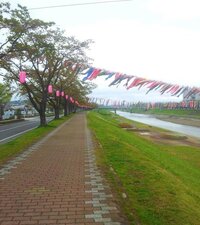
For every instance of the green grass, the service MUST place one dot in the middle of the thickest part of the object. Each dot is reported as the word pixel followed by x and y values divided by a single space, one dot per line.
pixel 173 112
pixel 162 182
pixel 21 143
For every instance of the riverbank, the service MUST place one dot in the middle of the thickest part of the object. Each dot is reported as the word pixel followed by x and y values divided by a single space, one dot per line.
pixel 151 120
pixel 188 113
pixel 180 120
pixel 189 117
pixel 155 173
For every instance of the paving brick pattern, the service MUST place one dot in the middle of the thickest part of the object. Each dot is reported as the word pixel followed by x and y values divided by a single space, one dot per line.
pixel 56 181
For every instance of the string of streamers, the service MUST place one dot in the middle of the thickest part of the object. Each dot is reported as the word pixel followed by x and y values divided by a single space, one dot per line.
pixel 103 102
pixel 132 81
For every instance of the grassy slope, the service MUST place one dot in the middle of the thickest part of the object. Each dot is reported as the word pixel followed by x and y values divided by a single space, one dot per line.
pixel 19 144
pixel 162 182
pixel 174 112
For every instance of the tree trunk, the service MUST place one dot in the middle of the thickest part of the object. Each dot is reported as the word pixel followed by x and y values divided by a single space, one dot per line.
pixel 1 112
pixel 74 110
pixel 57 114
pixel 66 111
pixel 69 108
pixel 42 111
pixel 43 121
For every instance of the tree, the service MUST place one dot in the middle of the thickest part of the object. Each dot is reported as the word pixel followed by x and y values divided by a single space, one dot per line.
pixel 11 28
pixel 28 49
pixel 41 51
pixel 5 96
pixel 70 85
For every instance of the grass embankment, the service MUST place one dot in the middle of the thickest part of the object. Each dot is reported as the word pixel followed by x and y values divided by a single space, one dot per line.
pixel 21 143
pixel 171 112
pixel 162 182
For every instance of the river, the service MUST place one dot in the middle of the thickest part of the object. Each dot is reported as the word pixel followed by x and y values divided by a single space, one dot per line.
pixel 151 120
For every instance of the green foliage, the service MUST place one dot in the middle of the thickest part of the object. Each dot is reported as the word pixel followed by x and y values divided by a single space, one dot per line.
pixel 5 93
pixel 46 54
pixel 5 96
pixel 162 182
pixel 18 113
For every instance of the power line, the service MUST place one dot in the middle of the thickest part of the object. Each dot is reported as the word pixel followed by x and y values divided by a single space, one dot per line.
pixel 77 4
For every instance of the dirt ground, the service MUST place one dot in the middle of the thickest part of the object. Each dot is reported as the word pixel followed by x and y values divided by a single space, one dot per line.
pixel 167 137
pixel 180 120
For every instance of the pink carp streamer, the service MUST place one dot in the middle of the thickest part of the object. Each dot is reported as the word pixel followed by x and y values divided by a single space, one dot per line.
pixel 132 81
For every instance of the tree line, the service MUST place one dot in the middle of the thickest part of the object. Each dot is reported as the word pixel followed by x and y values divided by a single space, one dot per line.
pixel 48 57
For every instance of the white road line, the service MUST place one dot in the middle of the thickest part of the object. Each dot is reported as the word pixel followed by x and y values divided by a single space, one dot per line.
pixel 17 126
pixel 17 134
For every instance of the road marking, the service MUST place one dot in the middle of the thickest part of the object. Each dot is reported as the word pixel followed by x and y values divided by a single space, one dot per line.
pixel 18 126
pixel 17 134
pixel 49 119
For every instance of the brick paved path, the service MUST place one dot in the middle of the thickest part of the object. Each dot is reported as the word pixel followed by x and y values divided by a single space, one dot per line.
pixel 56 181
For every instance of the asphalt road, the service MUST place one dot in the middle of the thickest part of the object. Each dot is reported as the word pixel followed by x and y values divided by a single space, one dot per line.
pixel 13 130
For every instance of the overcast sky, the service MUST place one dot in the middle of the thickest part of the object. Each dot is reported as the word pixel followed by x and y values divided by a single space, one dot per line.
pixel 155 39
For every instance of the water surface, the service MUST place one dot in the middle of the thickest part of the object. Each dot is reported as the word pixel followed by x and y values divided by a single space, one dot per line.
pixel 151 120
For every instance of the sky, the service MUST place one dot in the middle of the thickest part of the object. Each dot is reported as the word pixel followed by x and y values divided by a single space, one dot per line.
pixel 154 39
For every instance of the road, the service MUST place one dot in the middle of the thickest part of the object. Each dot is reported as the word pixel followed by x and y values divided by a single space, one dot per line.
pixel 13 130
